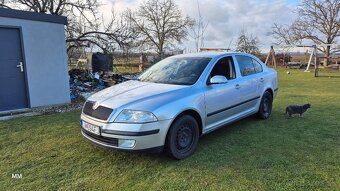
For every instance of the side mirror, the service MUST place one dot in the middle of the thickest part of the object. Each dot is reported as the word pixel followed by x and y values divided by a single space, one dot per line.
pixel 218 80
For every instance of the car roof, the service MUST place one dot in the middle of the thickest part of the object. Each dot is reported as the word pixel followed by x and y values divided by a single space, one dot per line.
pixel 209 54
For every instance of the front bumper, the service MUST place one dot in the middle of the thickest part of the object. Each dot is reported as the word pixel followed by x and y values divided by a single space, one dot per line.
pixel 146 136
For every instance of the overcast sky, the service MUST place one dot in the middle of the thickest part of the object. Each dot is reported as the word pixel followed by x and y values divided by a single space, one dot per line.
pixel 227 17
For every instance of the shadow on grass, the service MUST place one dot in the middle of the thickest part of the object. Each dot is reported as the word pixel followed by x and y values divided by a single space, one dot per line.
pixel 210 151
pixel 328 77
pixel 245 140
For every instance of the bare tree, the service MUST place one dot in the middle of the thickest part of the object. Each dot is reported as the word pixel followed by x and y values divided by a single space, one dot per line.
pixel 160 23
pixel 85 25
pixel 82 32
pixel 3 4
pixel 198 30
pixel 318 21
pixel 56 7
pixel 247 43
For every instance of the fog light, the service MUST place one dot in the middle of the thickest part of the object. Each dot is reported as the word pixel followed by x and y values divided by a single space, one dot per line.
pixel 126 143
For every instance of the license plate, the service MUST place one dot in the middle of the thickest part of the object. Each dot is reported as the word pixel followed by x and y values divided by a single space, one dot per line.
pixel 91 128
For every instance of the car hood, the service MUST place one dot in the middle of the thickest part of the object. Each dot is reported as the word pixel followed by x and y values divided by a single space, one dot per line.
pixel 132 92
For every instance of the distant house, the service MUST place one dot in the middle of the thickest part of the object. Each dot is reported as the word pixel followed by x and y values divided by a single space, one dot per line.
pixel 33 60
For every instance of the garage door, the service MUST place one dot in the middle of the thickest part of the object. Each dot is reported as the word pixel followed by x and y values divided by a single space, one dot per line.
pixel 13 93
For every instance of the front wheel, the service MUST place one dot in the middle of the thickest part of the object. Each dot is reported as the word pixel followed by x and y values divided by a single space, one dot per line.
pixel 265 106
pixel 182 137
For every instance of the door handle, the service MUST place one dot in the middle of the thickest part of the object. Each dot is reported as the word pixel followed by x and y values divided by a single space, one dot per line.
pixel 261 80
pixel 237 86
pixel 21 66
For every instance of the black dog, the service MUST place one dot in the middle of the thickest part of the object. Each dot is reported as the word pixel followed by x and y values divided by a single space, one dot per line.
pixel 297 109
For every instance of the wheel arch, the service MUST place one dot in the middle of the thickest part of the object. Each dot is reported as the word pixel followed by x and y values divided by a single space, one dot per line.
pixel 192 113
pixel 270 91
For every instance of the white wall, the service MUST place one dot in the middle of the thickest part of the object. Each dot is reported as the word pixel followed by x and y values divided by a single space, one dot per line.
pixel 46 61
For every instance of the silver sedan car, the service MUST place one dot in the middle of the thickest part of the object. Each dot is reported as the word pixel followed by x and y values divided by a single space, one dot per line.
pixel 177 100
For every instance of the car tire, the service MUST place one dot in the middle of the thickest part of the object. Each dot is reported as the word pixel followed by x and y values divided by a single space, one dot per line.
pixel 266 104
pixel 182 138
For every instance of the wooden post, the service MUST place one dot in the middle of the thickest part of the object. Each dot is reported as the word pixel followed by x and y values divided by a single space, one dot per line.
pixel 313 54
pixel 266 62
pixel 316 67
pixel 272 54
pixel 141 63
pixel 273 57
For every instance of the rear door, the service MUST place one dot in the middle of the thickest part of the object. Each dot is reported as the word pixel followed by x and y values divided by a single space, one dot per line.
pixel 248 84
pixel 13 92
pixel 260 78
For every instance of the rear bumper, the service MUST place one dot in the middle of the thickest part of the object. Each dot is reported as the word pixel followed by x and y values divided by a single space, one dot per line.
pixel 146 137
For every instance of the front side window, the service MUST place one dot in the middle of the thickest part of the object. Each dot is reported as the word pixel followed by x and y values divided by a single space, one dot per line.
pixel 224 67
pixel 246 65
pixel 180 71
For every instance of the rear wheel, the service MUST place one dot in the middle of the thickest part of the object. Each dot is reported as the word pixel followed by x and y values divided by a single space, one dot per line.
pixel 265 106
pixel 182 137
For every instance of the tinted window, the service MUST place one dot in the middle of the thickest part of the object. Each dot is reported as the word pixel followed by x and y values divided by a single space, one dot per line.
pixel 258 66
pixel 182 71
pixel 224 67
pixel 246 65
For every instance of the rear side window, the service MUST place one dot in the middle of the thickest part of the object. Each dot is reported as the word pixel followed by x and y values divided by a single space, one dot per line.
pixel 246 65
pixel 257 66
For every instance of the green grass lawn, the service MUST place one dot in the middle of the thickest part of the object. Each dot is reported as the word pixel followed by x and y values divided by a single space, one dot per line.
pixel 276 154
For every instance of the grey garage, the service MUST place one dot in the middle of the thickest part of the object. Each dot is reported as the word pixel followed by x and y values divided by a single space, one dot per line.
pixel 33 60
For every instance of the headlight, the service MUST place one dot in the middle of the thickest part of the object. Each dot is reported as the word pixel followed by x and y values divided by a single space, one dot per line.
pixel 135 116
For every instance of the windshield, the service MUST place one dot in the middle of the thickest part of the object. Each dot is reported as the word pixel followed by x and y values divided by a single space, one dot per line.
pixel 181 71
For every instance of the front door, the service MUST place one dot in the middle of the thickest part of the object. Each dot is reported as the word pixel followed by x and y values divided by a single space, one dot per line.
pixel 13 92
pixel 221 99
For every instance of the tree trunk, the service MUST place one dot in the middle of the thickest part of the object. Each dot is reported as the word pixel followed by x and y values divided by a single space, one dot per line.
pixel 161 52
pixel 327 54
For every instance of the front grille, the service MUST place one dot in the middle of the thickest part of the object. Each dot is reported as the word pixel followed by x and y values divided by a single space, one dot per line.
pixel 107 140
pixel 102 113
